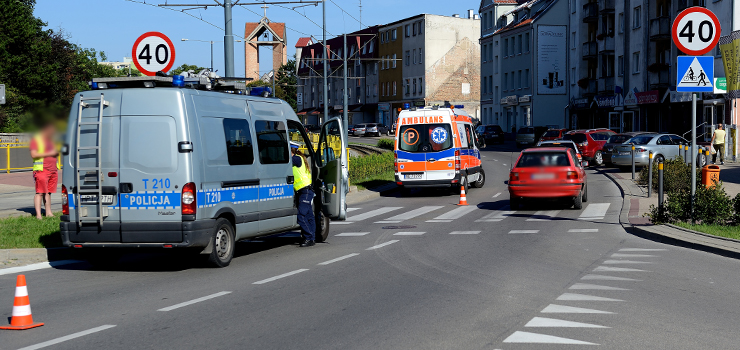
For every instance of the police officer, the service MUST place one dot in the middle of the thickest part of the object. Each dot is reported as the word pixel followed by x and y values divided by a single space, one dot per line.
pixel 304 195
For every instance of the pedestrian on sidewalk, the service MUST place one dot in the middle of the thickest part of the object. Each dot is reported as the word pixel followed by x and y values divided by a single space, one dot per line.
pixel 45 167
pixel 718 142
pixel 303 195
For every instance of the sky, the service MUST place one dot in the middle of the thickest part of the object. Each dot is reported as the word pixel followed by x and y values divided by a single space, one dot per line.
pixel 112 26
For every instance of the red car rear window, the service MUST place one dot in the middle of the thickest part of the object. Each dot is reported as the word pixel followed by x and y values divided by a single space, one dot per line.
pixel 543 159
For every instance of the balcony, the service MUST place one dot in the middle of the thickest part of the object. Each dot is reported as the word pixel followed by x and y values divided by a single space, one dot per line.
pixel 660 28
pixel 590 50
pixel 606 45
pixel 590 12
pixel 659 79
pixel 588 86
pixel 606 85
pixel 606 6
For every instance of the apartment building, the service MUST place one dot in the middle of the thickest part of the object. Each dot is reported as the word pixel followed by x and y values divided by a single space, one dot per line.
pixel 491 12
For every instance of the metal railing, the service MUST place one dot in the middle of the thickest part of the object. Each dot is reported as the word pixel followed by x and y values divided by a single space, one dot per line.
pixel 15 156
pixel 697 136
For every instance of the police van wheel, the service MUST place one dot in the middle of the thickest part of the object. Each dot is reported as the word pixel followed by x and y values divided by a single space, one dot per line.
pixel 481 179
pixel 223 244
pixel 322 227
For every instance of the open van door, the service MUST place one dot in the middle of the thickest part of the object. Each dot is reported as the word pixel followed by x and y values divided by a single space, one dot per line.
pixel 333 173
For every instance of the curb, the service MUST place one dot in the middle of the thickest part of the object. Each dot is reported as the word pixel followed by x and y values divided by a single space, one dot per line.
pixel 27 256
pixel 674 235
pixel 362 196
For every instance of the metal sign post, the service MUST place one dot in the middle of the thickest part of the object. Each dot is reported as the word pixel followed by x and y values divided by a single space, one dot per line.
pixel 2 94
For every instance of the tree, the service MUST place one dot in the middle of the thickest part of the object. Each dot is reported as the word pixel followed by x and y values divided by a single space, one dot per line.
pixel 186 67
pixel 286 82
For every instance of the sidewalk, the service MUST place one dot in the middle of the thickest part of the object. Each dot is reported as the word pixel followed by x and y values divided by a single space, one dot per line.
pixel 17 191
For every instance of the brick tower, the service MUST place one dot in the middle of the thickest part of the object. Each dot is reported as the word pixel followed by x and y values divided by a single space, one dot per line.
pixel 253 32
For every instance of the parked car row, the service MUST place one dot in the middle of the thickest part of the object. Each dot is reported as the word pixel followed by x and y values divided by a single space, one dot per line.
pixel 369 129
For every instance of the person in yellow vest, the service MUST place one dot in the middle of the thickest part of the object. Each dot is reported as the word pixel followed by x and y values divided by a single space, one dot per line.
pixel 718 142
pixel 45 168
pixel 304 195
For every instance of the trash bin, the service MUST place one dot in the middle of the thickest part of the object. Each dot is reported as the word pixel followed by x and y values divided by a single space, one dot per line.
pixel 710 175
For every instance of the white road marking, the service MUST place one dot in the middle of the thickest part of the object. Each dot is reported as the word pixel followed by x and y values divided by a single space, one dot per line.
pixel 583 297
pixel 414 213
pixel 382 245
pixel 606 278
pixel 464 232
pixel 342 222
pixel 544 215
pixel 338 259
pixel 535 338
pixel 352 234
pixel 409 233
pixel 584 286
pixel 280 276
pixel 352 209
pixel 439 221
pixel 594 211
pixel 457 213
pixel 616 269
pixel 642 250
pixel 505 165
pixel 618 255
pixel 372 213
pixel 68 337
pixel 562 309
pixel 497 215
pixel 583 230
pixel 625 262
pixel 496 195
pixel 388 222
pixel 555 323
pixel 37 266
pixel 514 232
pixel 191 302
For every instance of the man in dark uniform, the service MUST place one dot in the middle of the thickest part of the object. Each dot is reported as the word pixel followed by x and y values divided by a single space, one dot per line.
pixel 304 195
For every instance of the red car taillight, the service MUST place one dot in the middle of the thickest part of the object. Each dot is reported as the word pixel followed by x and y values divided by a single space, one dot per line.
pixel 572 175
pixel 189 204
pixel 65 201
pixel 513 177
pixel 457 160
pixel 395 161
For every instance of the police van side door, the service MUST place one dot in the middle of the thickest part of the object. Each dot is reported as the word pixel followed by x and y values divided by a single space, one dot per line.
pixel 331 161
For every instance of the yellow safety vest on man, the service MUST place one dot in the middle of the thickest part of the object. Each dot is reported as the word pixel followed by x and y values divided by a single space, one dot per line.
pixel 38 163
pixel 301 176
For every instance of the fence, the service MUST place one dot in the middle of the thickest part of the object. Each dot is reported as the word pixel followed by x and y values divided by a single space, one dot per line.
pixel 333 141
pixel 15 156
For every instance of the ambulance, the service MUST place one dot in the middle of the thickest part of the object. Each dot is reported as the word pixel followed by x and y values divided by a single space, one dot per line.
pixel 437 147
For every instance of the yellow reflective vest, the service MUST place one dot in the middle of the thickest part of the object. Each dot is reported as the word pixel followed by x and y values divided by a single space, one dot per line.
pixel 301 176
pixel 38 163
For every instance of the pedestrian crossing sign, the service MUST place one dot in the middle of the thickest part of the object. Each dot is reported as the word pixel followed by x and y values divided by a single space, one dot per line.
pixel 695 74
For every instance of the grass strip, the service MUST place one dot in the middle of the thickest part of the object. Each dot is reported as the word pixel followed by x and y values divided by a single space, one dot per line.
pixel 715 230
pixel 29 232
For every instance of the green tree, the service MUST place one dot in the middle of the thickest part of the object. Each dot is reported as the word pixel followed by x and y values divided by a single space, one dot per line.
pixel 186 67
pixel 286 82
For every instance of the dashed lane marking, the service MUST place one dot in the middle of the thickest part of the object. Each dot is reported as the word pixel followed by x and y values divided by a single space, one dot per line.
pixel 68 337
pixel 626 262
pixel 464 232
pixel 584 286
pixel 411 214
pixel 544 322
pixel 194 301
pixel 409 233
pixel 642 250
pixel 583 297
pixel 352 209
pixel 516 232
pixel 616 269
pixel 583 230
pixel 562 309
pixel 338 259
pixel 619 255
pixel 382 245
pixel 496 195
pixel 280 276
pixel 607 278
pixel 535 338
pixel 352 234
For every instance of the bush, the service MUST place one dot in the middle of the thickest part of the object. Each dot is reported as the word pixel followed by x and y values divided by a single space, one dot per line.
pixel 676 176
pixel 388 144
pixel 363 167
pixel 713 206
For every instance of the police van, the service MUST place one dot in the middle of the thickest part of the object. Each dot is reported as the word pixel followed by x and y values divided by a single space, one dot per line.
pixel 437 147
pixel 163 162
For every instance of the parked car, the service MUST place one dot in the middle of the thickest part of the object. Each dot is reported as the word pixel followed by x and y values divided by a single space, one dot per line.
pixel 590 143
pixel 313 129
pixel 616 140
pixel 663 146
pixel 553 134
pixel 562 143
pixel 351 130
pixel 529 135
pixel 550 172
pixel 376 129
pixel 490 133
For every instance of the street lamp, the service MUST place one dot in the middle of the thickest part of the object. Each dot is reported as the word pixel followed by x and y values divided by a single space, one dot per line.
pixel 209 41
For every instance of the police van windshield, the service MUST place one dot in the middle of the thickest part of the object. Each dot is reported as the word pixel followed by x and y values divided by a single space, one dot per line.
pixel 425 137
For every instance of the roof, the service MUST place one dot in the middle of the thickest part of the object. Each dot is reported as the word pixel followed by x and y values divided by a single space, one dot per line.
pixel 303 42
pixel 526 19
pixel 545 149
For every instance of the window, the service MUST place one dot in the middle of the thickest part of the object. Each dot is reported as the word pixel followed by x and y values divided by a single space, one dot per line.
pixel 519 46
pixel 485 55
pixel 520 79
pixel 490 84
pixel 526 42
pixel 637 17
pixel 272 142
pixel 364 49
pixel 421 56
pixel 394 60
pixel 414 56
pixel 376 68
pixel 526 78
pixel 513 80
pixel 414 29
pixel 495 64
pixel 620 65
pixel 375 89
pixel 496 95
pixel 573 76
pixel 394 89
pixel 394 34
pixel 367 91
pixel 408 57
pixel 421 86
pixel 421 24
pixel 506 81
pixel 414 91
pixel 408 87
pixel 512 49
pixel 370 50
pixel 573 41
pixel 408 30
pixel 485 84
pixel 636 62
pixel 496 43
pixel 506 47
pixel 621 22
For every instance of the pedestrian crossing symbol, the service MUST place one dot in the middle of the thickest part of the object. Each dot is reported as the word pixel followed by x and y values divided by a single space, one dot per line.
pixel 695 74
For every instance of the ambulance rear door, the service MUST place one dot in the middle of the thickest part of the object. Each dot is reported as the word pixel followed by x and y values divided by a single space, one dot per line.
pixel 439 146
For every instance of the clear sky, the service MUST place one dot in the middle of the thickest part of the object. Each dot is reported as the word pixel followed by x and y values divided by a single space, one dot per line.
pixel 112 26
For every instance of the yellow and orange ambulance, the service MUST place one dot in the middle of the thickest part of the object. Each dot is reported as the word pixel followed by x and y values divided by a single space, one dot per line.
pixel 437 147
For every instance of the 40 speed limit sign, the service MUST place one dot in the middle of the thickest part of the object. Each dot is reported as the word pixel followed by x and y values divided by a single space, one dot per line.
pixel 696 31
pixel 153 52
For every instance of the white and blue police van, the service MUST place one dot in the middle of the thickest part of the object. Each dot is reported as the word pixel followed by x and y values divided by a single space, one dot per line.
pixel 175 162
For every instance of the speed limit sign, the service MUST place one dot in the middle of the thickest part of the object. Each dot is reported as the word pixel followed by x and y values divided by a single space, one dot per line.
pixel 696 31
pixel 153 52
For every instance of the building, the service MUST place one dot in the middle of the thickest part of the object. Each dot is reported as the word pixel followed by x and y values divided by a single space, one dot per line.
pixel 264 33
pixel 525 45
pixel 125 64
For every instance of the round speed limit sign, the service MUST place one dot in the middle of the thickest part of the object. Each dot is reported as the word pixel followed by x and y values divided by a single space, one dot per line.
pixel 696 31
pixel 153 52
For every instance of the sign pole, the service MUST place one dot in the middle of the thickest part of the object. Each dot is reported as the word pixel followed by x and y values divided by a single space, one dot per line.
pixel 693 155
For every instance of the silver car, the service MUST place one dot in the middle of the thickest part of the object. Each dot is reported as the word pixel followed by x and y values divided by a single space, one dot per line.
pixel 663 146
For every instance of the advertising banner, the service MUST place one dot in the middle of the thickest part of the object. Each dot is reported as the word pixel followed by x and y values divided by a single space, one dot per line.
pixel 730 47
pixel 551 60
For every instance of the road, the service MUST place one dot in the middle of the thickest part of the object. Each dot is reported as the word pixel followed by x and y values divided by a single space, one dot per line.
pixel 407 273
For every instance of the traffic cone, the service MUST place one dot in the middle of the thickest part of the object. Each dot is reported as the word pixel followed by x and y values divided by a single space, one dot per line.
pixel 22 318
pixel 463 198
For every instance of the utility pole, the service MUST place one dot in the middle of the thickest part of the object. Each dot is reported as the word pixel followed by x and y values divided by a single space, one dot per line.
pixel 346 92
pixel 326 63
pixel 228 40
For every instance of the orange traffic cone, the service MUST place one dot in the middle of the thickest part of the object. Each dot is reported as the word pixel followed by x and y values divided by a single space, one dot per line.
pixel 463 198
pixel 22 318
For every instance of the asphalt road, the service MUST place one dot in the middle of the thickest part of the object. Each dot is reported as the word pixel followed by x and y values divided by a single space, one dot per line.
pixel 430 275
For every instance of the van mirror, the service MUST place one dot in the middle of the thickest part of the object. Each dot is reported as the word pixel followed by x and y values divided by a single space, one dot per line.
pixel 333 173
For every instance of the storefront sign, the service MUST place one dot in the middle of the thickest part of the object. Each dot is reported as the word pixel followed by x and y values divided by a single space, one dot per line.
pixel 630 99
pixel 579 103
pixel 679 97
pixel 551 60
pixel 720 85
pixel 606 101
pixel 299 98
pixel 647 97
pixel 525 99
pixel 384 106
pixel 511 100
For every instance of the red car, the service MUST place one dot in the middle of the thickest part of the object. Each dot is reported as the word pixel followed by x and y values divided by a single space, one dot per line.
pixel 548 172
pixel 590 143
pixel 553 134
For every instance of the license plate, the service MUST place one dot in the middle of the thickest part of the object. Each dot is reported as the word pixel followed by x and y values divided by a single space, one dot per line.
pixel 91 199
pixel 413 176
pixel 543 176
pixel 624 153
